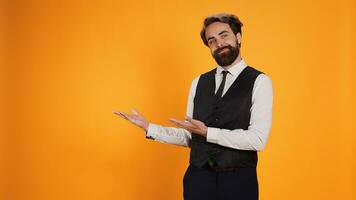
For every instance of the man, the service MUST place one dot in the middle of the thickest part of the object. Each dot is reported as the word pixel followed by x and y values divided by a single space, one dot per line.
pixel 228 120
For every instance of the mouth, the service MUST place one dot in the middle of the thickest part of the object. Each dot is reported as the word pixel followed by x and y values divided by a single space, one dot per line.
pixel 223 50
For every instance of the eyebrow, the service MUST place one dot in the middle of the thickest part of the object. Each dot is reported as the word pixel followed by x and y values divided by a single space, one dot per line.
pixel 224 31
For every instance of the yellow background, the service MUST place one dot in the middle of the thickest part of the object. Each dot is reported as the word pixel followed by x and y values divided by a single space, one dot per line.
pixel 66 65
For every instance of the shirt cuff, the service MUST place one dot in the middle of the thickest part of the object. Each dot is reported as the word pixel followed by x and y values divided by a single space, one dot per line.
pixel 212 135
pixel 150 131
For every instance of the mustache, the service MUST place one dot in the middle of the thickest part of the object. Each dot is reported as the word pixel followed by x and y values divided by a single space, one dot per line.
pixel 222 48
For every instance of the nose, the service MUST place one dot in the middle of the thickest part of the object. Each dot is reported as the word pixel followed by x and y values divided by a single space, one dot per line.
pixel 219 43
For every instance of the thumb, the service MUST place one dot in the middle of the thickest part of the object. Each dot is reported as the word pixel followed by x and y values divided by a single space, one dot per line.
pixel 134 111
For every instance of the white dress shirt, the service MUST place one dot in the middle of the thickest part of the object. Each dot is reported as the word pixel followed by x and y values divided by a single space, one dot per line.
pixel 254 138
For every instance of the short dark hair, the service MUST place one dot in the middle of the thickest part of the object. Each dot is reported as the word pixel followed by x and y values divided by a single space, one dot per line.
pixel 233 21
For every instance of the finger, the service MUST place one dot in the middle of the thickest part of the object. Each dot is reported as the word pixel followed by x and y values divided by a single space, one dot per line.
pixel 185 125
pixel 189 118
pixel 181 126
pixel 134 111
pixel 120 114
pixel 178 122
pixel 192 121
pixel 127 116
pixel 174 120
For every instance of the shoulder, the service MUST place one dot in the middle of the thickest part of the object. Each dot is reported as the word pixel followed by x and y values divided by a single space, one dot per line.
pixel 263 84
pixel 260 76
pixel 195 82
pixel 263 78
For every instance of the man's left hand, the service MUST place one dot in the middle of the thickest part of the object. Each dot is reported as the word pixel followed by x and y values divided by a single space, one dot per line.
pixel 192 125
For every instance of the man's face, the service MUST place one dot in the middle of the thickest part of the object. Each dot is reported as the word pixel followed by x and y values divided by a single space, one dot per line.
pixel 223 43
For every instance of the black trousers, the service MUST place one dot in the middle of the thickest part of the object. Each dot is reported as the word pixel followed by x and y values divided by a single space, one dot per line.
pixel 208 184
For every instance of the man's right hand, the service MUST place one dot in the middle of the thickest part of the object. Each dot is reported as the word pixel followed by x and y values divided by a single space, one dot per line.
pixel 136 118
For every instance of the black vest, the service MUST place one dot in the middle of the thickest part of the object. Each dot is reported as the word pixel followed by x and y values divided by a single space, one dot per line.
pixel 232 111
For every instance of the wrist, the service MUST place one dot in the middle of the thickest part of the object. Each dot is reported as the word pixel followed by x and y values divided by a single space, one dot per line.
pixel 205 131
pixel 145 126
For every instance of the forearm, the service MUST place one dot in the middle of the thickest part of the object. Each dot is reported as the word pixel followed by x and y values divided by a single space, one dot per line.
pixel 251 139
pixel 169 135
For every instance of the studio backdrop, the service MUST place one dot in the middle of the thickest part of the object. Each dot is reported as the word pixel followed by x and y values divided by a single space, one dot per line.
pixel 67 65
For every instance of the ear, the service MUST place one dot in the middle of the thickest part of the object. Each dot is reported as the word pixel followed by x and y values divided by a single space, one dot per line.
pixel 239 38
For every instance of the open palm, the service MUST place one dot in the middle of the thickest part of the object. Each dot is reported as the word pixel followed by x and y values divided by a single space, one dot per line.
pixel 135 118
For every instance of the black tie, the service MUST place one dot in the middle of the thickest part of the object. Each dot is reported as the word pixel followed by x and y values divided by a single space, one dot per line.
pixel 221 87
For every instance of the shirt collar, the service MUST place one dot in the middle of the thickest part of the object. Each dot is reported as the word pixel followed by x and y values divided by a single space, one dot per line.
pixel 234 70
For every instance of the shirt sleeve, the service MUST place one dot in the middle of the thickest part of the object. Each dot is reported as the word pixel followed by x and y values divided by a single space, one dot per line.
pixel 172 135
pixel 255 137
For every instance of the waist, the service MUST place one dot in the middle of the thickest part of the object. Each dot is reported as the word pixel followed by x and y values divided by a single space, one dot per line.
pixel 213 166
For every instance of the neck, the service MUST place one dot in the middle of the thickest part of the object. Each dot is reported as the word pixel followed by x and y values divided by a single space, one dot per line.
pixel 237 60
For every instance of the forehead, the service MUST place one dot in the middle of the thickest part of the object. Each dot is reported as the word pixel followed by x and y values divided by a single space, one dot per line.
pixel 215 28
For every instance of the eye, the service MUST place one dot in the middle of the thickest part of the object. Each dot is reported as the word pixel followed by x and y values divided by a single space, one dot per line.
pixel 211 41
pixel 224 36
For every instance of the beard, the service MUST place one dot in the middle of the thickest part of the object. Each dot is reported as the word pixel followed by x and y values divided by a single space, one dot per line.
pixel 225 56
